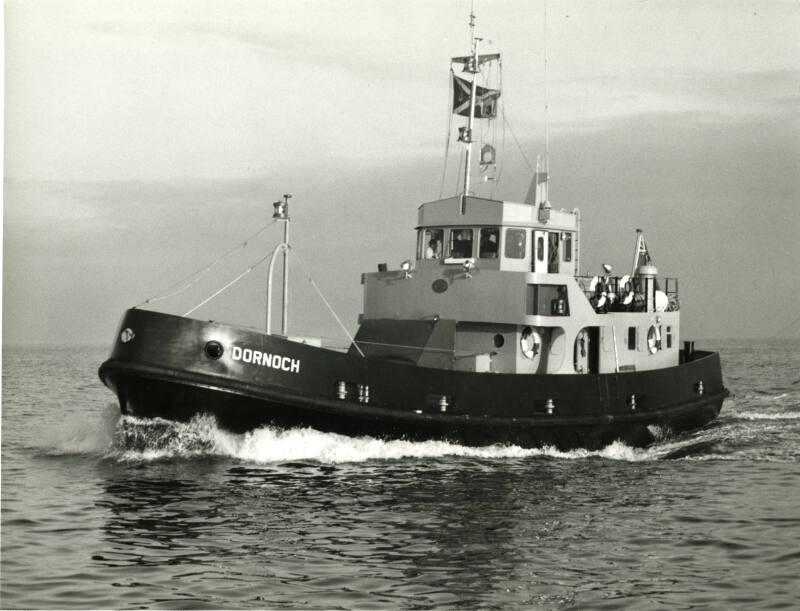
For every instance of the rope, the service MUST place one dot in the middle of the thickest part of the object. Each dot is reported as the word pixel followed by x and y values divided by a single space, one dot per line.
pixel 230 284
pixel 325 301
pixel 202 272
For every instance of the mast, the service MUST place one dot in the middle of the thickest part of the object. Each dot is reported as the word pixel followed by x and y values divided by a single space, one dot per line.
pixel 471 67
pixel 473 102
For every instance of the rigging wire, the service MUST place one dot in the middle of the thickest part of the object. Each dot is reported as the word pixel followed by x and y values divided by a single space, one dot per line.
pixel 494 126
pixel 782 331
pixel 230 284
pixel 449 129
pixel 202 272
pixel 546 98
pixel 502 157
pixel 459 179
pixel 409 347
pixel 519 146
pixel 325 301
pixel 456 353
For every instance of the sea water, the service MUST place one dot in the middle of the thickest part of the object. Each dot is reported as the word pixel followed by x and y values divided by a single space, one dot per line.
pixel 100 511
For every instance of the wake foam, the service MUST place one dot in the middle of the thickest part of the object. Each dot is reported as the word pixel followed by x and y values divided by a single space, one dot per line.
pixel 769 416
pixel 147 440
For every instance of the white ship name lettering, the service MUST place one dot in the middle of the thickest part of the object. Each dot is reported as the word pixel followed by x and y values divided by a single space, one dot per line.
pixel 256 357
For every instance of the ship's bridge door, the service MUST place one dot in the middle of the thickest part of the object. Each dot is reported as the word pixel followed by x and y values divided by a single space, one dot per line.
pixel 587 350
pixel 539 252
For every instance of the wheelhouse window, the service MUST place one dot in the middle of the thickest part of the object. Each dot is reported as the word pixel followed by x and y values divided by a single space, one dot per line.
pixel 460 245
pixel 547 300
pixel 540 248
pixel 431 244
pixel 567 250
pixel 489 240
pixel 515 243
pixel 553 239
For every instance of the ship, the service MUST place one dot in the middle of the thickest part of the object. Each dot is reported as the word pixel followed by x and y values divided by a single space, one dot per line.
pixel 491 335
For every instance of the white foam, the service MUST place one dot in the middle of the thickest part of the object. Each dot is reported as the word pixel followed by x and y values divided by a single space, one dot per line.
pixel 160 439
pixel 769 416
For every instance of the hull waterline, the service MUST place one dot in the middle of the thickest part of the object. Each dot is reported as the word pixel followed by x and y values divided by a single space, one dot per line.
pixel 165 371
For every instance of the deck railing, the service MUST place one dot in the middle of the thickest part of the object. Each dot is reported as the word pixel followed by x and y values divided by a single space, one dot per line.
pixel 616 294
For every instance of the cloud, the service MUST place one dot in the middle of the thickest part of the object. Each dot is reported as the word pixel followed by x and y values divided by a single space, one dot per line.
pixel 363 52
pixel 578 104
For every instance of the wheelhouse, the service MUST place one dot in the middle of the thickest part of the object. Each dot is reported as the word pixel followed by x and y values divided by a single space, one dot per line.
pixel 500 235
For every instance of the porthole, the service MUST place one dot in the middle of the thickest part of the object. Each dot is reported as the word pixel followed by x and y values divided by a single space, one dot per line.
pixel 214 349
pixel 439 285
pixel 126 335
pixel 499 340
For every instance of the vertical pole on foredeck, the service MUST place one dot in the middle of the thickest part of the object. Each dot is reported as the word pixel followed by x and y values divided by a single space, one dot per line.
pixel 281 214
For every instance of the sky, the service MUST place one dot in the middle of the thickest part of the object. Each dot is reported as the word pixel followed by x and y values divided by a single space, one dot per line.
pixel 145 139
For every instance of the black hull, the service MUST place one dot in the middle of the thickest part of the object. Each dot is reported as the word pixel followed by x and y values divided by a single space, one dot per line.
pixel 165 372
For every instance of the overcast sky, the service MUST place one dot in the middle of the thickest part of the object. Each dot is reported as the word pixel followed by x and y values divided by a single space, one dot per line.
pixel 143 139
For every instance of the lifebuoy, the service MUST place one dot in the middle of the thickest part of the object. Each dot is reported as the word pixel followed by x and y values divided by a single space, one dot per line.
pixel 626 288
pixel 530 343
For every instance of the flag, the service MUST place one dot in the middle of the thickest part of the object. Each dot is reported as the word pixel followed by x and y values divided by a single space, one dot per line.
pixel 485 99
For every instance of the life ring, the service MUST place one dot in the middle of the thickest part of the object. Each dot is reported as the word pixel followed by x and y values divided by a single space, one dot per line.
pixel 530 343
pixel 653 339
pixel 626 288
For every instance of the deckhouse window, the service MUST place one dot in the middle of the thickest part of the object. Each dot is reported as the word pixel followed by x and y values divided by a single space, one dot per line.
pixel 431 244
pixel 540 248
pixel 547 300
pixel 460 245
pixel 515 243
pixel 490 237
pixel 631 338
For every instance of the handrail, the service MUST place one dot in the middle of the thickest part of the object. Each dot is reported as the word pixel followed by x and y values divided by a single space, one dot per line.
pixel 668 286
